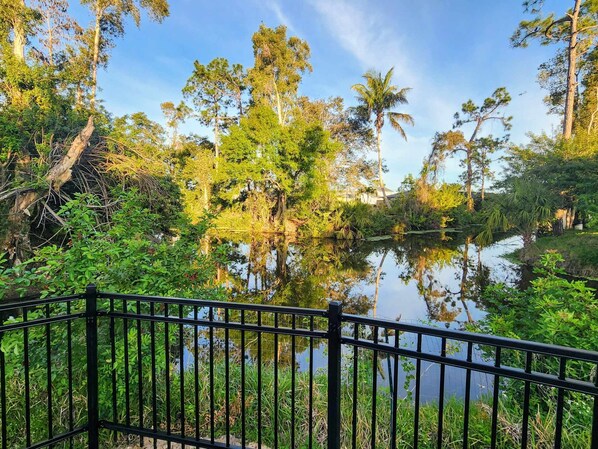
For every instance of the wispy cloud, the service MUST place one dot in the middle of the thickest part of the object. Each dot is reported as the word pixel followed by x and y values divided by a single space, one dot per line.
pixel 364 35
pixel 282 18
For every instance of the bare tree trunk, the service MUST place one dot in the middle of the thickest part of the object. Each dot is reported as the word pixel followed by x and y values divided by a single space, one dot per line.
pixel 572 218
pixel 96 55
pixel 593 117
pixel 19 38
pixel 206 197
pixel 464 287
pixel 469 156
pixel 571 73
pixel 482 186
pixel 278 103
pixel 469 180
pixel 50 41
pixel 380 180
pixel 281 209
pixel 281 261
pixel 240 104
pixel 557 227
pixel 528 240
pixel 249 267
pixel 216 140
pixel 175 137
pixel 60 173
pixel 16 243
pixel 79 96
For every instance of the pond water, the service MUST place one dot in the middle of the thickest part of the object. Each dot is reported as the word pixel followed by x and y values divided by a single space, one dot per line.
pixel 433 279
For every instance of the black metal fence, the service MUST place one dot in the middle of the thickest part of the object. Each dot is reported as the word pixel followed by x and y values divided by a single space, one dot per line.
pixel 113 370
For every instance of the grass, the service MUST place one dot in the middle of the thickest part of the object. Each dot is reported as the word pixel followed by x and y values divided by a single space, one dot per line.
pixel 243 411
pixel 579 248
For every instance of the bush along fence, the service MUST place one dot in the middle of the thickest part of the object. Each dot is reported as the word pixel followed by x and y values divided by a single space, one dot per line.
pixel 115 370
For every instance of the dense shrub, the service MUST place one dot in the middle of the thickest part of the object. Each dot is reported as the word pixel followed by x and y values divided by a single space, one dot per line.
pixel 129 253
pixel 422 206
pixel 552 310
pixel 365 220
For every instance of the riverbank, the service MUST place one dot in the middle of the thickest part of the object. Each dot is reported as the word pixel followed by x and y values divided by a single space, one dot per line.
pixel 579 248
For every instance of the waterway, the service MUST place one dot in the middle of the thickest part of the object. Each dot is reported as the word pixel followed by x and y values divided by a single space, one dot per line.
pixel 435 280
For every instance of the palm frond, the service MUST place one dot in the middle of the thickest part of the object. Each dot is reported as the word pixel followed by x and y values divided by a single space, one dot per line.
pixel 400 96
pixel 388 77
pixel 398 128
pixel 496 220
pixel 401 117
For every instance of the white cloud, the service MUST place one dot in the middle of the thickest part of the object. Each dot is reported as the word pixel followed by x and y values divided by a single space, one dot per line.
pixel 365 36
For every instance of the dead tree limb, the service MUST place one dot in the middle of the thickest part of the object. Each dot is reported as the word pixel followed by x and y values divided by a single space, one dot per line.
pixel 16 243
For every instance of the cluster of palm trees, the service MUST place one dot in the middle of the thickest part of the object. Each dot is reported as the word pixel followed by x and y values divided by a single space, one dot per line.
pixel 377 96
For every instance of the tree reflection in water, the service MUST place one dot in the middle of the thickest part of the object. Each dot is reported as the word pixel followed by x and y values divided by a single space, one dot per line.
pixel 448 272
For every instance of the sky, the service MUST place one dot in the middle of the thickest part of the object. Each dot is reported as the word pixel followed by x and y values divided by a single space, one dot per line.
pixel 446 51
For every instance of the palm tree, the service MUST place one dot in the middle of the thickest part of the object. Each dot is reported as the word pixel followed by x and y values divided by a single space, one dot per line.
pixel 525 206
pixel 377 96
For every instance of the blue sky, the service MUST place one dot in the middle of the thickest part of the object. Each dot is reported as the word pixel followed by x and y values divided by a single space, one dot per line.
pixel 446 51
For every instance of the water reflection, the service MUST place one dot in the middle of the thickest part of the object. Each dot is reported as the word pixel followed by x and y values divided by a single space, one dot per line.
pixel 298 274
pixel 436 279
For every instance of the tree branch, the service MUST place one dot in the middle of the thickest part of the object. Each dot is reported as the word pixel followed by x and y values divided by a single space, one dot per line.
pixel 581 30
pixel 14 192
pixel 530 34
pixel 547 33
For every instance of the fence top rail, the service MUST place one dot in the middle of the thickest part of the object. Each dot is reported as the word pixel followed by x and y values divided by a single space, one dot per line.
pixel 220 324
pixel 217 304
pixel 29 302
pixel 491 340
pixel 485 339
pixel 505 371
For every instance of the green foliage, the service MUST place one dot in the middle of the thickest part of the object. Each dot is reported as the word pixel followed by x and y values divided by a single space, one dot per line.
pixel 566 169
pixel 579 249
pixel 423 206
pixel 556 28
pixel 588 204
pixel 195 179
pixel 364 220
pixel 376 99
pixel 377 96
pixel 128 254
pixel 418 206
pixel 525 206
pixel 287 164
pixel 476 149
pixel 214 89
pixel 278 65
pixel 552 310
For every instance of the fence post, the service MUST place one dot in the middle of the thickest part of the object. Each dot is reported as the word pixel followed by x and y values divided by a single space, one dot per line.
pixel 335 310
pixel 91 314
